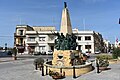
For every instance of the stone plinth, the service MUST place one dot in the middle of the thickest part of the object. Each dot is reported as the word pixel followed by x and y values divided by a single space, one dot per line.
pixel 79 69
pixel 64 57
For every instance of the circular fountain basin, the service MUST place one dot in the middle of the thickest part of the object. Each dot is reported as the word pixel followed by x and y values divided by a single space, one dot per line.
pixel 79 69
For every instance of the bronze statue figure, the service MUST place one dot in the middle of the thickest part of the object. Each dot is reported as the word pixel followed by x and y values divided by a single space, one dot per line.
pixel 65 43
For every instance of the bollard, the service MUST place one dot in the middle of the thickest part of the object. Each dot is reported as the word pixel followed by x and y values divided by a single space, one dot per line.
pixel 64 74
pixel 36 67
pixel 74 76
pixel 97 65
pixel 40 67
pixel 46 67
pixel 61 71
pixel 42 70
pixel 46 70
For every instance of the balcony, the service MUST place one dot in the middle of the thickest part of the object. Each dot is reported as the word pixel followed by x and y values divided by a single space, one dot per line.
pixel 31 32
pixel 19 35
pixel 20 44
pixel 51 41
pixel 31 42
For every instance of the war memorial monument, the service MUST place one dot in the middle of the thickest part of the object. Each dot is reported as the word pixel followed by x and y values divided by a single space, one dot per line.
pixel 66 59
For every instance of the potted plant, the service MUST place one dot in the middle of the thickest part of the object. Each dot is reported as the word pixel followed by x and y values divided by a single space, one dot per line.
pixel 103 61
pixel 39 61
pixel 103 64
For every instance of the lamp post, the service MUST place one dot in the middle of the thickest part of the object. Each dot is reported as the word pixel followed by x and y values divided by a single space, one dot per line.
pixel 36 66
pixel 97 65
pixel 47 68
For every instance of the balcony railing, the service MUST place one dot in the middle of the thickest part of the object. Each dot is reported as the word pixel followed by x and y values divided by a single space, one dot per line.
pixel 51 41
pixel 31 42
pixel 19 35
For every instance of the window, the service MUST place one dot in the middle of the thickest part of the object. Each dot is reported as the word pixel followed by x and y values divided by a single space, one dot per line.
pixel 79 38
pixel 79 47
pixel 87 46
pixel 20 32
pixel 31 39
pixel 87 37
pixel 41 38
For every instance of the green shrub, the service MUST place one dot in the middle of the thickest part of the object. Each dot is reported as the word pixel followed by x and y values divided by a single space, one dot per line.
pixel 104 56
pixel 103 63
pixel 39 61
pixel 116 53
pixel 103 60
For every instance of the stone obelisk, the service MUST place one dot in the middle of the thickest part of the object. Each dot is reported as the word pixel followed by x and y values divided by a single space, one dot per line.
pixel 65 21
pixel 64 57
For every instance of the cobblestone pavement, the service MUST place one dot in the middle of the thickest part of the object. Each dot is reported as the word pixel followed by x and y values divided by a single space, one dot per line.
pixel 24 70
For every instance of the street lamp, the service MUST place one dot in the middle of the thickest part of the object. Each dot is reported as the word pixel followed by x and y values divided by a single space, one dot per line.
pixel 5 46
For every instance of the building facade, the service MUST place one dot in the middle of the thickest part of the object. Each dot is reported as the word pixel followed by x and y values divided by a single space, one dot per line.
pixel 41 39
pixel 20 37
pixel 108 46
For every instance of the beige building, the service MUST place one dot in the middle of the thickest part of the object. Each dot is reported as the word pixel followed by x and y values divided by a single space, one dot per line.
pixel 20 37
pixel 41 39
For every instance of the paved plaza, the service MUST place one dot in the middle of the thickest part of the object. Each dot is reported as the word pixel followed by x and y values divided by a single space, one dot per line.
pixel 23 69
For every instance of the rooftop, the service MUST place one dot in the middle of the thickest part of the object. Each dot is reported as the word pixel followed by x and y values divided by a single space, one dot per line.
pixel 44 28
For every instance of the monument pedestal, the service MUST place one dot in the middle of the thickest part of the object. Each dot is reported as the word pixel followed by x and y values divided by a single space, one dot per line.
pixel 64 57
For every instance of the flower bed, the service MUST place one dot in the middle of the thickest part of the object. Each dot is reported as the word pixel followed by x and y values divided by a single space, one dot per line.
pixel 56 75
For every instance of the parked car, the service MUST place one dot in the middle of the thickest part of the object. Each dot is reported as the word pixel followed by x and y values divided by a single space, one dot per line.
pixel 5 53
pixel 37 53
pixel 111 51
pixel 9 52
pixel 97 52
pixel 50 52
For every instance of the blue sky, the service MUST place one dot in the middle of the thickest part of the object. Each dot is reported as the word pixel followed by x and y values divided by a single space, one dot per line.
pixel 99 15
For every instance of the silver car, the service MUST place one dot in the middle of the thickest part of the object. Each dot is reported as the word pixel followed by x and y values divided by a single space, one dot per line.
pixel 50 52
